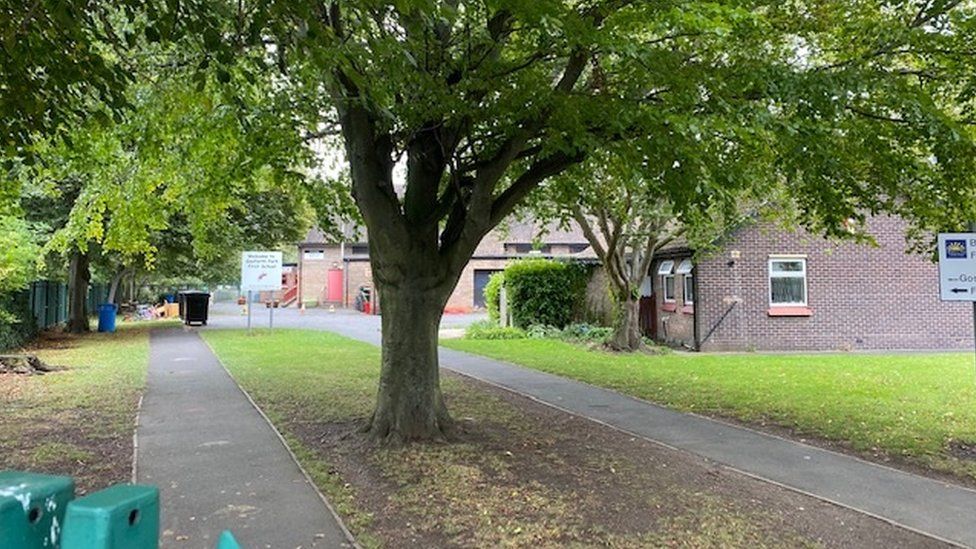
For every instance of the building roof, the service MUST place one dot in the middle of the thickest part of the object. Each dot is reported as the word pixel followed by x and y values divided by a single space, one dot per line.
pixel 351 231
pixel 527 232
pixel 514 232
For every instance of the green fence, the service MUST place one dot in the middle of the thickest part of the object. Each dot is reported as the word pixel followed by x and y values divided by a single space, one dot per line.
pixel 49 302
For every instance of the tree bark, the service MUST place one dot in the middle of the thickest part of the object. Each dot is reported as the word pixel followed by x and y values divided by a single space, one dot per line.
pixel 79 276
pixel 114 287
pixel 409 405
pixel 626 331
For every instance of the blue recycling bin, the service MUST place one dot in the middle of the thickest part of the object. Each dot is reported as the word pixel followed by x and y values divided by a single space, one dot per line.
pixel 106 317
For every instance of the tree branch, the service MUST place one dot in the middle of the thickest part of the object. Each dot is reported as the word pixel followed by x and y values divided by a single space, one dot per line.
pixel 529 180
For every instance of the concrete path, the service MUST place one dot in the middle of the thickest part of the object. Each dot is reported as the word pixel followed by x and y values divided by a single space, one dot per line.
pixel 217 462
pixel 939 509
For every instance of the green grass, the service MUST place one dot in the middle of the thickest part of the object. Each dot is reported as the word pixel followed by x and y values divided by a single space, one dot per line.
pixel 77 421
pixel 514 480
pixel 911 406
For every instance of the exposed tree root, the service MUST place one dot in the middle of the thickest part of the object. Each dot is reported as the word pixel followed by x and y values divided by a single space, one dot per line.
pixel 387 433
pixel 24 364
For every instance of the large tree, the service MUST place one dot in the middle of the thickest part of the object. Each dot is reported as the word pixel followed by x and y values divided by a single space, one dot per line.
pixel 624 204
pixel 184 174
pixel 484 100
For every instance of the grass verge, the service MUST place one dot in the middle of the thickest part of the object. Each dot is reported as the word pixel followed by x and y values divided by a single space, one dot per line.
pixel 912 408
pixel 519 475
pixel 77 421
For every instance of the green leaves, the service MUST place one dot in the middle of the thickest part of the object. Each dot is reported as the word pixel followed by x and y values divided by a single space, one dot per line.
pixel 18 254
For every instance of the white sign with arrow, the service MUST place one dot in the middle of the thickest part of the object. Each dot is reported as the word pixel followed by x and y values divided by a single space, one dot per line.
pixel 957 266
pixel 261 271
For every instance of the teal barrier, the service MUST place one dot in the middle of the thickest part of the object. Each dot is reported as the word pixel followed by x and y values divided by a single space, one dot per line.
pixel 39 512
pixel 227 541
pixel 32 509
pixel 123 516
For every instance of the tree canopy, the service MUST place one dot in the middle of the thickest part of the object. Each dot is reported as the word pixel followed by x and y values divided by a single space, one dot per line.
pixel 843 108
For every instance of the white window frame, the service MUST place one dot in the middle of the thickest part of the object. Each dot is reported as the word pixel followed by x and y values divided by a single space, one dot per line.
pixel 788 274
pixel 666 271
pixel 688 278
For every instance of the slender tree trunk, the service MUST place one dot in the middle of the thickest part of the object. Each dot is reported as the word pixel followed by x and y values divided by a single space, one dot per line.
pixel 79 276
pixel 409 405
pixel 114 287
pixel 626 330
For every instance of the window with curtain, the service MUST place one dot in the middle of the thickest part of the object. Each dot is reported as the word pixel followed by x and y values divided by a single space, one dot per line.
pixel 666 271
pixel 788 281
pixel 688 286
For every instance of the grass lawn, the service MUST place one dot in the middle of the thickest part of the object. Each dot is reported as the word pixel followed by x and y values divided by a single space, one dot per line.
pixel 918 408
pixel 77 421
pixel 519 475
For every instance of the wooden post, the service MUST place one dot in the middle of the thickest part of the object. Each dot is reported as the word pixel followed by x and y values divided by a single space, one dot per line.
pixel 503 306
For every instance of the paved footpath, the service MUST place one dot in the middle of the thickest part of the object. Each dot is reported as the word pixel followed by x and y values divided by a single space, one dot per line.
pixel 932 507
pixel 217 462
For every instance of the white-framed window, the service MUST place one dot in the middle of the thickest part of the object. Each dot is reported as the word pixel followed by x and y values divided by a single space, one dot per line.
pixel 313 255
pixel 687 281
pixel 788 281
pixel 666 271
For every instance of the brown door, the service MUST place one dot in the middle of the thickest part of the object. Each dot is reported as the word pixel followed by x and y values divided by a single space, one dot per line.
pixel 648 317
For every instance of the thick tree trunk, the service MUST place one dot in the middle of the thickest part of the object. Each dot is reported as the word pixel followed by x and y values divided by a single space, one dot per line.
pixel 79 276
pixel 409 405
pixel 626 332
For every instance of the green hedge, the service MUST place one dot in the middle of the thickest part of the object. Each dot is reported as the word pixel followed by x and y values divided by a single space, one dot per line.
pixel 17 325
pixel 493 291
pixel 542 291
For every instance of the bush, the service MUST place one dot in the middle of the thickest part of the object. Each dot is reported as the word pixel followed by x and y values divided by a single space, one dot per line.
pixel 487 329
pixel 17 325
pixel 493 291
pixel 541 331
pixel 587 332
pixel 546 292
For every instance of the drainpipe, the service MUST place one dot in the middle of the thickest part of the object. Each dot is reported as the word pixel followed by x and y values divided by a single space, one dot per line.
pixel 299 277
pixel 694 314
pixel 345 283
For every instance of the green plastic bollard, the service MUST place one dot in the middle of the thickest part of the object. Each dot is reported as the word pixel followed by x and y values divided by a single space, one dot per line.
pixel 227 541
pixel 32 508
pixel 125 516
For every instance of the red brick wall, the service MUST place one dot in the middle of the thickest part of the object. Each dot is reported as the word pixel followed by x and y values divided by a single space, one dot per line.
pixel 861 297
pixel 675 320
pixel 314 273
pixel 462 299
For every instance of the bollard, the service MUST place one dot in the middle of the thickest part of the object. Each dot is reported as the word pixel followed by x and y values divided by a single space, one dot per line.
pixel 227 541
pixel 123 516
pixel 32 508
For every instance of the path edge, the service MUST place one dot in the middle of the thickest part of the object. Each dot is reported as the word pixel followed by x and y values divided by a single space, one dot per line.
pixel 135 437
pixel 794 489
pixel 308 478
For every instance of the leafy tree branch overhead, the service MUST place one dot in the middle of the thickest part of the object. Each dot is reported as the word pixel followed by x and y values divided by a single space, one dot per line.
pixel 842 109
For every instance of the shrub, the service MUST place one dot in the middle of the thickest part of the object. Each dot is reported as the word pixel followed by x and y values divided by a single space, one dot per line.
pixel 487 329
pixel 542 291
pixel 587 332
pixel 17 324
pixel 493 295
pixel 542 331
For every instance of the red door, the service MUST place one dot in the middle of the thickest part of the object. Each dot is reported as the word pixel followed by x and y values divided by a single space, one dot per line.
pixel 334 289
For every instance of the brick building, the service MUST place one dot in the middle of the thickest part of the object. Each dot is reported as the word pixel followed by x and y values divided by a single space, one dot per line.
pixel 332 273
pixel 771 289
